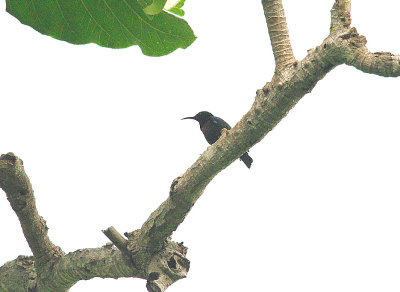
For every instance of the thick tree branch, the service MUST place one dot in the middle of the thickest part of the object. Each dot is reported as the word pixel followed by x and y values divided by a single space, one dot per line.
pixel 18 189
pixel 85 264
pixel 60 275
pixel 278 32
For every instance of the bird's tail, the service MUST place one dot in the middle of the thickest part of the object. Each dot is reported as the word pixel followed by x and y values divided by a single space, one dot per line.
pixel 246 159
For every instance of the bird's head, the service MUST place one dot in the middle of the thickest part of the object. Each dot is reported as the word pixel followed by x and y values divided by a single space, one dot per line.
pixel 201 117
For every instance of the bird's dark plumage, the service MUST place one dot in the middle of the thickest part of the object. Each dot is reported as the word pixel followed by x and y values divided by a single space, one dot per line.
pixel 211 126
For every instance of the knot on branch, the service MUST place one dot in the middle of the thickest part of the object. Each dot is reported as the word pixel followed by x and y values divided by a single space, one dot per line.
pixel 352 38
pixel 172 190
pixel 175 193
pixel 385 56
pixel 10 157
pixel 167 267
pixel 25 262
pixel 161 268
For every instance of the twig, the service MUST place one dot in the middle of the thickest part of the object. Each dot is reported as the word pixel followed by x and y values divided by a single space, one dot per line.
pixel 116 238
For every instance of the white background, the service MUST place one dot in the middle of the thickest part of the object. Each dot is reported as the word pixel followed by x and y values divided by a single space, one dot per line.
pixel 101 138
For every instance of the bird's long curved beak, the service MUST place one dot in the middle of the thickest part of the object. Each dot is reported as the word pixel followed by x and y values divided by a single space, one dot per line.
pixel 188 118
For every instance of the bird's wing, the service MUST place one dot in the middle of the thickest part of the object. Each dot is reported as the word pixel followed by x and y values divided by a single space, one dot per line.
pixel 221 123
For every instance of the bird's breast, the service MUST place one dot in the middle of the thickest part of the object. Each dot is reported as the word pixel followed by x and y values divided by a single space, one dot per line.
pixel 206 127
pixel 211 132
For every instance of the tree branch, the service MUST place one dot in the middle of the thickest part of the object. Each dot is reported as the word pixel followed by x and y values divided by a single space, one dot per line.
pixel 85 264
pixel 60 275
pixel 340 16
pixel 354 50
pixel 18 189
pixel 278 32
pixel 380 63
pixel 356 54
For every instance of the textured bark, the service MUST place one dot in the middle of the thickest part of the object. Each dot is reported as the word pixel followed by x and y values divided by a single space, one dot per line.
pixel 340 16
pixel 148 252
pixel 85 264
pixel 18 275
pixel 278 32
pixel 18 188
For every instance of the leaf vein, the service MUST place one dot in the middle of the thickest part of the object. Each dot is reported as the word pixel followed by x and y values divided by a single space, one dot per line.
pixel 122 24
pixel 65 19
pixel 149 23
pixel 36 14
pixel 93 18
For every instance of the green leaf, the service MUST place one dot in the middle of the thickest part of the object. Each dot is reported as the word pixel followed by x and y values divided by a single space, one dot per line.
pixel 180 4
pixel 108 23
pixel 177 11
pixel 145 3
pixel 177 8
pixel 155 7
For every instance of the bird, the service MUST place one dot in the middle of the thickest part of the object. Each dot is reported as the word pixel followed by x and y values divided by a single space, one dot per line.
pixel 211 126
